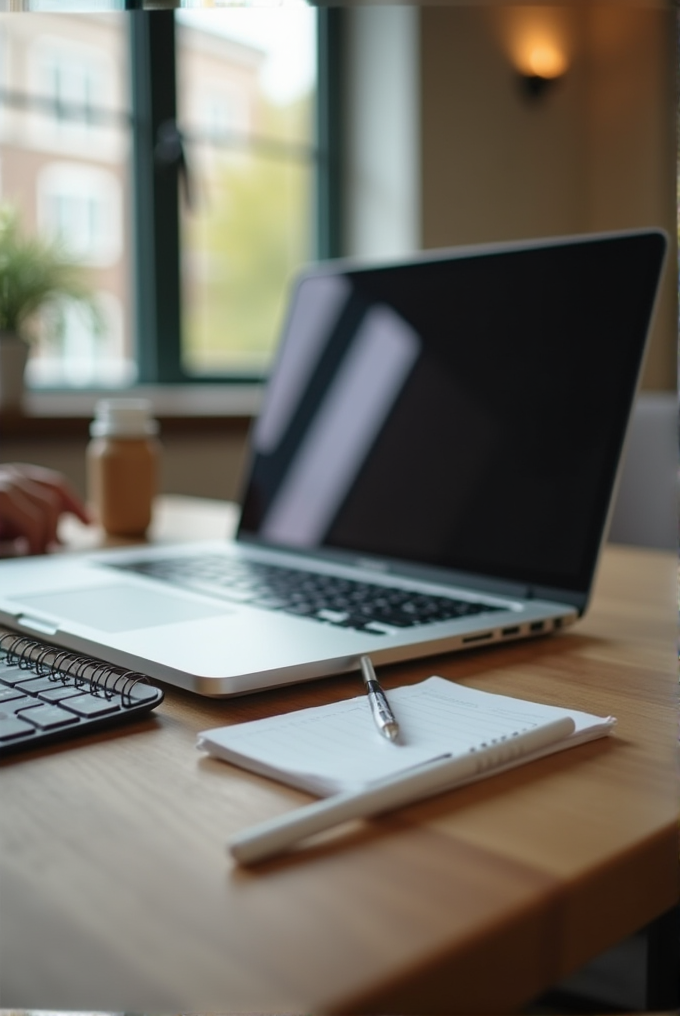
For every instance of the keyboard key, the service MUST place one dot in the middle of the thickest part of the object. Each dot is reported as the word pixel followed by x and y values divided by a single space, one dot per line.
pixel 140 693
pixel 11 727
pixel 91 705
pixel 57 692
pixel 7 694
pixel 334 616
pixel 34 685
pixel 13 706
pixel 13 675
pixel 47 717
pixel 378 628
pixel 5 666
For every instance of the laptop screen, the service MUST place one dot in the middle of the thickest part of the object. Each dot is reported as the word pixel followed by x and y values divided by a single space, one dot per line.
pixel 465 410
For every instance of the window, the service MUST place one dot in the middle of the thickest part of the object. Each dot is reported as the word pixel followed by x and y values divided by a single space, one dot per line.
pixel 219 109
pixel 65 126
pixel 71 355
pixel 81 206
pixel 77 79
pixel 246 154
pixel 177 155
pixel 245 91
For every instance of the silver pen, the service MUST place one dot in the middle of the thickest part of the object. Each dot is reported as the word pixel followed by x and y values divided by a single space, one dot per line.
pixel 380 707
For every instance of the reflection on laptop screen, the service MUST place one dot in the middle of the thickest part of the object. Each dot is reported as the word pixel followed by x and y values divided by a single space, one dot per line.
pixel 465 411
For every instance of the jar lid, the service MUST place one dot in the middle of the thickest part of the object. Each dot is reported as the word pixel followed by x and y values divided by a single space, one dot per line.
pixel 123 418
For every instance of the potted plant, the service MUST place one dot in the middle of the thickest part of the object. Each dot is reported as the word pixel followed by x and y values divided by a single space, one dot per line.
pixel 35 274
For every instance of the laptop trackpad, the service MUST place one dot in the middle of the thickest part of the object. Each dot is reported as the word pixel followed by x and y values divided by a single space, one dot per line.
pixel 121 607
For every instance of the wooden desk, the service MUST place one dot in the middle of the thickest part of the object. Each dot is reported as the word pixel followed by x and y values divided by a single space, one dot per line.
pixel 116 892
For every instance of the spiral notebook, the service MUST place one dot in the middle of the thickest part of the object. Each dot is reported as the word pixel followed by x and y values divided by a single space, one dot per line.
pixel 336 748
pixel 48 694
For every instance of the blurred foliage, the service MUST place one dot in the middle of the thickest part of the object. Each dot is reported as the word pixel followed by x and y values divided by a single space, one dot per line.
pixel 36 274
pixel 250 235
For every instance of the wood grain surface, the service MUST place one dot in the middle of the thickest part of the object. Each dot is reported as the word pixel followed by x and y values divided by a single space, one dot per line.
pixel 117 894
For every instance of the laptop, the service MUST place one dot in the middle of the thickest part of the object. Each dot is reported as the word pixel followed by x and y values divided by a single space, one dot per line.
pixel 432 470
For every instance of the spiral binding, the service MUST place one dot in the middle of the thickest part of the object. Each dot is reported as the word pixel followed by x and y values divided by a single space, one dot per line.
pixel 93 676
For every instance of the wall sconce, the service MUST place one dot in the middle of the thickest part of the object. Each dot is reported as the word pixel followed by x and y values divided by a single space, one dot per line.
pixel 540 64
pixel 539 40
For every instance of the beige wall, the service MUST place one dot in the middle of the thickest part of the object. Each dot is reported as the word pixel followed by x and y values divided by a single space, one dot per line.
pixel 597 151
pixel 203 464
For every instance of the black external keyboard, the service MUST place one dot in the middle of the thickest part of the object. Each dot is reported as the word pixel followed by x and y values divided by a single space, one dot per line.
pixel 40 703
pixel 345 602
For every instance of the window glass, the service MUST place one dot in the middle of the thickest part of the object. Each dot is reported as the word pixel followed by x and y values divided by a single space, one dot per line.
pixel 78 79
pixel 246 91
pixel 80 205
pixel 64 157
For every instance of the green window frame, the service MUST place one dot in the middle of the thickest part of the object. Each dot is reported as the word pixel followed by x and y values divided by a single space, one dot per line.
pixel 156 228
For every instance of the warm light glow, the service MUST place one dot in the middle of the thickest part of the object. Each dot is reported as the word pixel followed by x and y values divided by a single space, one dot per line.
pixel 544 61
pixel 538 39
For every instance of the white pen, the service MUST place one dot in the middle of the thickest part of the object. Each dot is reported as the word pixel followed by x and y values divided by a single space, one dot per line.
pixel 444 773
pixel 380 707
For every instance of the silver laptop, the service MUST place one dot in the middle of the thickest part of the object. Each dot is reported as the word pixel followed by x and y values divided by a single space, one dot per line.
pixel 432 470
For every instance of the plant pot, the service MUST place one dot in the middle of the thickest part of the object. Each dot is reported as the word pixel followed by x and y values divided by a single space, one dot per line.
pixel 13 357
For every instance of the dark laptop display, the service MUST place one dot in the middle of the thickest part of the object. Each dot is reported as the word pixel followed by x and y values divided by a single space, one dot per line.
pixel 487 396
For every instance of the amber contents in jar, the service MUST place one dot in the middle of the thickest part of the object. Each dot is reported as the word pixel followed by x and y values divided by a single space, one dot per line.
pixel 122 461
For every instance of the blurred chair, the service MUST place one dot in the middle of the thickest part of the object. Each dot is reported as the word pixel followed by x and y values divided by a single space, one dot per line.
pixel 646 506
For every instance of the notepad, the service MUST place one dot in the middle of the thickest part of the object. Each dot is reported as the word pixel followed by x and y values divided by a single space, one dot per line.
pixel 333 748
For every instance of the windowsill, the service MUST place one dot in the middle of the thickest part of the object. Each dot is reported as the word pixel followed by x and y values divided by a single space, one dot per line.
pixel 183 407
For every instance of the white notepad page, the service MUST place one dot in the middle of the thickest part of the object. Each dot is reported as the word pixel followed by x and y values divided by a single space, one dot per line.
pixel 336 747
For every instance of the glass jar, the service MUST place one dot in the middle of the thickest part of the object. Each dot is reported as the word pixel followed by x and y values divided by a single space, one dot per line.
pixel 122 465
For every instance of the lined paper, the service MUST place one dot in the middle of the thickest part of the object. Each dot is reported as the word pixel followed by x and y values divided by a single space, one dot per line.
pixel 326 749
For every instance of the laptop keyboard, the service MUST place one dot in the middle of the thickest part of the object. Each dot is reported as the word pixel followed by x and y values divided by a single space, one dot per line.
pixel 347 603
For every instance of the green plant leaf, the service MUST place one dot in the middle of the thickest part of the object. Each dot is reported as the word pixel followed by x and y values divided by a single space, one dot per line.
pixel 35 273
